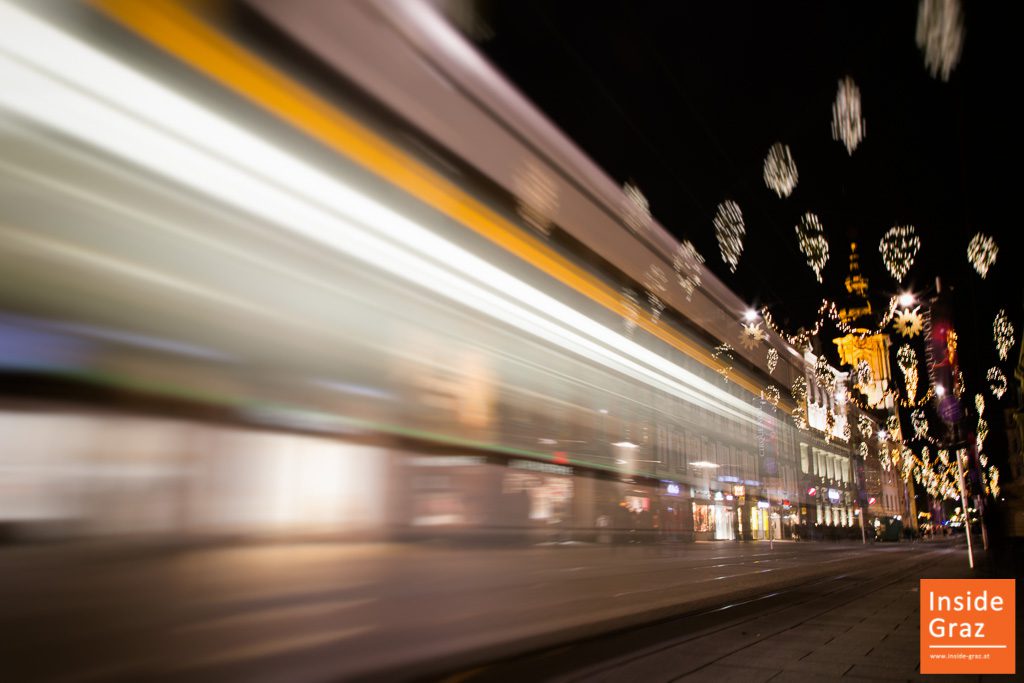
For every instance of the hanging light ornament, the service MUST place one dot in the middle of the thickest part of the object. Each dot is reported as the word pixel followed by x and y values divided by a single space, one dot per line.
pixel 771 394
pixel 993 479
pixel 752 335
pixel 772 360
pixel 892 426
pixel 944 457
pixel 981 252
pixel 847 432
pixel 865 427
pixel 636 211
pixel 631 304
pixel 863 374
pixel 982 432
pixel 811 238
pixel 848 126
pixel 1002 331
pixel 823 374
pixel 907 360
pixel 899 247
pixel 687 264
pixel 940 35
pixel 729 230
pixel 723 354
pixel 909 323
pixel 780 170
pixel 536 197
pixel 863 449
pixel 799 393
pixel 920 424
pixel 996 382
pixel 979 403
pixel 655 284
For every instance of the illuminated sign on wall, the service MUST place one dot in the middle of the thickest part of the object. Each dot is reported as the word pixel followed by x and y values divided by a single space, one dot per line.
pixel 833 495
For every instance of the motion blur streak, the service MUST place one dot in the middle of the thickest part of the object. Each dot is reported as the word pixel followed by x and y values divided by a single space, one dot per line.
pixel 169 24
pixel 310 203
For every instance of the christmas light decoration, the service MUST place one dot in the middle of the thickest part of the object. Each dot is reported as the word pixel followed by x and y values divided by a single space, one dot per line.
pixel 865 426
pixel 723 354
pixel 892 425
pixel 981 252
pixel 536 197
pixel 909 323
pixel 993 479
pixel 920 423
pixel 636 212
pixel 862 373
pixel 979 403
pixel 848 126
pixel 940 35
pixel 997 382
pixel 655 284
pixel 632 308
pixel 811 239
pixel 799 393
pixel 687 263
pixel 944 456
pixel 752 335
pixel 823 375
pixel 899 247
pixel 982 432
pixel 780 170
pixel 847 432
pixel 830 426
pixel 1002 331
pixel 907 360
pixel 771 394
pixel 863 448
pixel 772 359
pixel 729 230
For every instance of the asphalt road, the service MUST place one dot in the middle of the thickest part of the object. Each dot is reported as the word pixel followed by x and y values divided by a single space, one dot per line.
pixel 332 611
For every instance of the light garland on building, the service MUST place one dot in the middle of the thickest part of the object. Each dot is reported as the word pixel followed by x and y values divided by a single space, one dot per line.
pixel 780 170
pixel 823 374
pixel 863 448
pixel 1002 332
pixel 772 359
pixel 920 423
pixel 996 382
pixel 865 426
pixel 981 252
pixel 799 394
pixel 899 247
pixel 729 231
pixel 848 126
pixel 631 304
pixel 688 265
pixel 907 360
pixel 770 393
pixel 979 404
pixel 940 35
pixel 811 239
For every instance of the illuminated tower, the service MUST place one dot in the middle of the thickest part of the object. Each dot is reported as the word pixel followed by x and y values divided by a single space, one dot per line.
pixel 859 345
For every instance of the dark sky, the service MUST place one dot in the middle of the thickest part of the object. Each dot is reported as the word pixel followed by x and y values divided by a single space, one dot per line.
pixel 685 99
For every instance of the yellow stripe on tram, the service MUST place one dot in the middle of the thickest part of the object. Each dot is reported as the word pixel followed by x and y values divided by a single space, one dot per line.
pixel 174 26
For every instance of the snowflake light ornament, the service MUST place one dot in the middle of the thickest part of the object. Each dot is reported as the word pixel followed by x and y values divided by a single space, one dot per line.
pixel 772 359
pixel 909 323
pixel 780 170
pixel 981 252
pixel 940 35
pixel 730 230
pixel 636 211
pixel 899 247
pixel 687 264
pixel 752 335
pixel 811 239
pixel 1002 331
pixel 996 382
pixel 848 126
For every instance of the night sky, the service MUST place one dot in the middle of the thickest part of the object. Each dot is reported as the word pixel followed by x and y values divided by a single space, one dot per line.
pixel 685 100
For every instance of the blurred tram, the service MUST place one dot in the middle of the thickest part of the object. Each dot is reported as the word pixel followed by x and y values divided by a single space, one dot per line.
pixel 317 267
